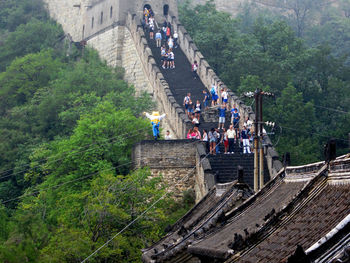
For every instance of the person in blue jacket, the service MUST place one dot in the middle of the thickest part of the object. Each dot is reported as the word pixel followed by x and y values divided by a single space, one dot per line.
pixel 222 114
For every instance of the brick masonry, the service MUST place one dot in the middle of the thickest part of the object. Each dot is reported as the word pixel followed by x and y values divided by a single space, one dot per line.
pixel 175 160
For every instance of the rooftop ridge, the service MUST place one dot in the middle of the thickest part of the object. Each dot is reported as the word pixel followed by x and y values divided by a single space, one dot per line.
pixel 315 186
pixel 215 213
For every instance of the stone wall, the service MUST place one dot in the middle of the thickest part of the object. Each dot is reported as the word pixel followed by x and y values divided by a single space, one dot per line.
pixel 177 159
pixel 86 18
pixel 117 48
pixel 174 159
pixel 70 14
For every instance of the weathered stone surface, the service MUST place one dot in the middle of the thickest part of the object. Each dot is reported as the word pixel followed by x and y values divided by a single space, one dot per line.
pixel 179 162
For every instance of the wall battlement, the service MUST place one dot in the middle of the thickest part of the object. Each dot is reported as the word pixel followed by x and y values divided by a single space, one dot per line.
pixel 84 18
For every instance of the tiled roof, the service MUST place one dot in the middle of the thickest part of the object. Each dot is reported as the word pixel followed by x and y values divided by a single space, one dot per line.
pixel 305 227
pixel 198 220
pixel 220 243
pixel 296 215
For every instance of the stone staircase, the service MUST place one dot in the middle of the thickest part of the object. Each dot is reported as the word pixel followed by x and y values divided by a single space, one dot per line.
pixel 225 166
pixel 181 81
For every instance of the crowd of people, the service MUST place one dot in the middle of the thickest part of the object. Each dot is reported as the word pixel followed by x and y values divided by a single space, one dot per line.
pixel 167 40
pixel 226 136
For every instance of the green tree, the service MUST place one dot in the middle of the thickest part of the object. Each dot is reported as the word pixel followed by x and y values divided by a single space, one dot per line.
pixel 24 77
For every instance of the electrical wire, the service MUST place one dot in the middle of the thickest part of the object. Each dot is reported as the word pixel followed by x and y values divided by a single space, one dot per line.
pixel 313 133
pixel 71 151
pixel 145 211
pixel 58 185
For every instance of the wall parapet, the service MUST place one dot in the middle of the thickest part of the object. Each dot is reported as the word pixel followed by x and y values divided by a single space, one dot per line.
pixel 176 117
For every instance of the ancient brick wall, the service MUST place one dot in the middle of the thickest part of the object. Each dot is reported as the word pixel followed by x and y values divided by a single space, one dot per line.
pixel 175 160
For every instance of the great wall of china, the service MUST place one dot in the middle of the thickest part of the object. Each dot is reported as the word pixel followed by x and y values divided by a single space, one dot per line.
pixel 113 29
pixel 229 222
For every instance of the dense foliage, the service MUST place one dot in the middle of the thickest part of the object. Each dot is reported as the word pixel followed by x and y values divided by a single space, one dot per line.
pixel 67 125
pixel 311 82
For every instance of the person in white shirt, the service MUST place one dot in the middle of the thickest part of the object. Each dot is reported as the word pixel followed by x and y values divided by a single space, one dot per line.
pixel 224 96
pixel 176 36
pixel 248 123
pixel 231 135
pixel 167 135
pixel 171 43
pixel 158 38
pixel 171 59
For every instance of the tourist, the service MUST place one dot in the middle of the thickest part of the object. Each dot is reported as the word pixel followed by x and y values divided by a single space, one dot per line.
pixel 224 96
pixel 245 140
pixel 194 69
pixel 225 139
pixel 231 136
pixel 168 32
pixel 206 99
pixel 146 14
pixel 171 58
pixel 170 43
pixel 162 53
pixel 206 140
pixel 151 30
pixel 158 39
pixel 197 109
pixel 190 108
pixel 218 136
pixel 214 95
pixel 212 141
pixel 167 135
pixel 197 134
pixel 189 134
pixel 222 114
pixel 164 31
pixel 176 36
pixel 164 56
pixel 155 120
pixel 248 123
pixel 195 121
pixel 186 103
pixel 151 20
pixel 235 117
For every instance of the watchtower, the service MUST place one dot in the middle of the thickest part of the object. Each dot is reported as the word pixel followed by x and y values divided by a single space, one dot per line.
pixel 102 14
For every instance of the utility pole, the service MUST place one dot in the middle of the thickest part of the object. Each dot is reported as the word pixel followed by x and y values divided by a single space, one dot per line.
pixel 258 129
pixel 256 140
pixel 260 136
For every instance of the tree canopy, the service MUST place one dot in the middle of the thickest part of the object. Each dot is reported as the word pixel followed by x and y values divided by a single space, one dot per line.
pixel 264 50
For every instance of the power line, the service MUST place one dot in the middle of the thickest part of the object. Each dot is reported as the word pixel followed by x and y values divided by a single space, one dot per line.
pixel 58 185
pixel 330 109
pixel 71 151
pixel 144 212
pixel 315 133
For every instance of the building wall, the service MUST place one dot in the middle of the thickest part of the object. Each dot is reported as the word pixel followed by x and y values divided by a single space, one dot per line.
pixel 70 14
